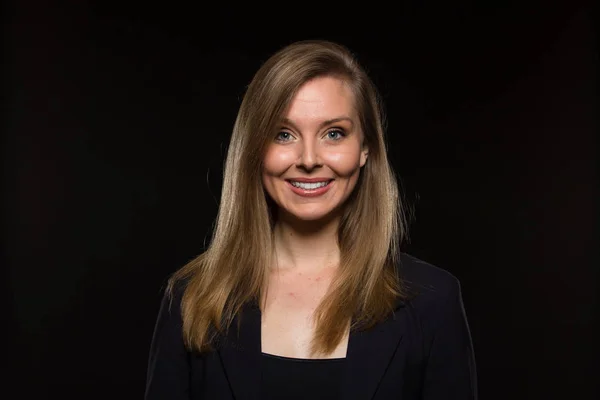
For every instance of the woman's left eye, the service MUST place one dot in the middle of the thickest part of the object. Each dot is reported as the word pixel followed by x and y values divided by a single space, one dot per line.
pixel 335 134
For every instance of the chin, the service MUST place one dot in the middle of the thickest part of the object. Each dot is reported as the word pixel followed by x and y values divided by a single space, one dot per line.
pixel 311 215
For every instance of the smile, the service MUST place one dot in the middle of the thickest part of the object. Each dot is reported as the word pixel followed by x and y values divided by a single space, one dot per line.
pixel 309 185
pixel 309 189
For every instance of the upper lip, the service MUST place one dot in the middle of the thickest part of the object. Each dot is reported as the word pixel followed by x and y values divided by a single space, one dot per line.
pixel 309 180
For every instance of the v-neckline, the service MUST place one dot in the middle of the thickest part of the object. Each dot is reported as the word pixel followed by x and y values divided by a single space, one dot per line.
pixel 367 356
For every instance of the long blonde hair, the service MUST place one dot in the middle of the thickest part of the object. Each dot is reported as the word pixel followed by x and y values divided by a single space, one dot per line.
pixel 231 271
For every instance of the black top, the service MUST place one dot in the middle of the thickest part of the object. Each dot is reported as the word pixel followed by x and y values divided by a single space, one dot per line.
pixel 421 351
pixel 298 378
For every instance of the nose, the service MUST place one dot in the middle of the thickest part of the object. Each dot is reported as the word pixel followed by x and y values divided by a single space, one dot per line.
pixel 309 158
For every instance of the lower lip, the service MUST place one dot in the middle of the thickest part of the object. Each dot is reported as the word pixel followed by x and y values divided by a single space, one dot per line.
pixel 310 192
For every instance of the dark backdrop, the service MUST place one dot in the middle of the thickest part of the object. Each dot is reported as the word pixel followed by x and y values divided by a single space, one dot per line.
pixel 119 115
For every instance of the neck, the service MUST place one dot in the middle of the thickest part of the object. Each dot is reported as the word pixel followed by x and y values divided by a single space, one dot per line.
pixel 306 245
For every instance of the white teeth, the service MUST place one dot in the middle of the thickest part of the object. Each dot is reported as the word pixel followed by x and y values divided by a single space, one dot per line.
pixel 309 186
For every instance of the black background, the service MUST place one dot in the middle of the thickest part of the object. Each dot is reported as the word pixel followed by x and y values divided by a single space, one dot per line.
pixel 118 120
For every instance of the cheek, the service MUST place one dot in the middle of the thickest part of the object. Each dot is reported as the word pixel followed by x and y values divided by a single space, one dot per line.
pixel 277 161
pixel 344 162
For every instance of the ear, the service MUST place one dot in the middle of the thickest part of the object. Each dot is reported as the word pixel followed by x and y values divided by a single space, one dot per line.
pixel 364 153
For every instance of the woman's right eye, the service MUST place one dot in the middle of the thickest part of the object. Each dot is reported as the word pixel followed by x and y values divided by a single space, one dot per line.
pixel 283 136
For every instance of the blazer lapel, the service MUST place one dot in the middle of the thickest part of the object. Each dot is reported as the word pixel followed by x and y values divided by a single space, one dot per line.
pixel 369 354
pixel 240 352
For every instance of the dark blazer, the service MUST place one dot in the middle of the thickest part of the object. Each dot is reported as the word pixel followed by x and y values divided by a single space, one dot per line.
pixel 422 351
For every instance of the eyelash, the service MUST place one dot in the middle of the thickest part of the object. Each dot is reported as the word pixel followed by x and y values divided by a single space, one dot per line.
pixel 337 130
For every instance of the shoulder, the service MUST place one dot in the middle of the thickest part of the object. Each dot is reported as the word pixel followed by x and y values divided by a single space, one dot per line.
pixel 421 278
pixel 174 291
pixel 440 330
pixel 430 290
pixel 171 303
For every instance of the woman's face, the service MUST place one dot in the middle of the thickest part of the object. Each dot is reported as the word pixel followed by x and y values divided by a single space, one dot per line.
pixel 314 160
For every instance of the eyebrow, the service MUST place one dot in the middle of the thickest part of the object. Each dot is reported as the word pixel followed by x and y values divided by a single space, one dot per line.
pixel 288 121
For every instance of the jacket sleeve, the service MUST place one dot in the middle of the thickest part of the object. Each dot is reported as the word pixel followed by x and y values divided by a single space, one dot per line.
pixel 168 365
pixel 450 372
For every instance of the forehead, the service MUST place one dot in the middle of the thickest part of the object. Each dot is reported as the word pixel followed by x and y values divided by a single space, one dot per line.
pixel 322 98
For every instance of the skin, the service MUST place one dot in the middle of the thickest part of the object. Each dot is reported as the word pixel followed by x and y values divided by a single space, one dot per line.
pixel 307 254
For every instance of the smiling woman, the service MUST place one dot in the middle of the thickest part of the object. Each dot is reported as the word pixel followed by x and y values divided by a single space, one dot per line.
pixel 303 291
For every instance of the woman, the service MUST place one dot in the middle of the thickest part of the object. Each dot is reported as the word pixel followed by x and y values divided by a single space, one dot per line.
pixel 303 292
